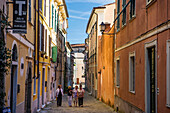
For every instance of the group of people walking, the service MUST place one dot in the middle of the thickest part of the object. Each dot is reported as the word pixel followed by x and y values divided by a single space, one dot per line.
pixel 76 95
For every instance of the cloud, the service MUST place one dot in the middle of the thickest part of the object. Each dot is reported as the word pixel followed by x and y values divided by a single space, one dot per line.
pixel 80 12
pixel 78 17
pixel 92 1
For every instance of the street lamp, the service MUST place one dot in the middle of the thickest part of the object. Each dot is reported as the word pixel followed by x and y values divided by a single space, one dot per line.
pixel 102 27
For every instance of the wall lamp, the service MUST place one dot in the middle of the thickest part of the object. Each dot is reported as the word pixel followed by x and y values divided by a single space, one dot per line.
pixel 102 27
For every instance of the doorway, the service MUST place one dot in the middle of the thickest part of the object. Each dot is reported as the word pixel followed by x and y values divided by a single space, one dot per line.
pixel 28 87
pixel 43 86
pixel 14 76
pixel 150 78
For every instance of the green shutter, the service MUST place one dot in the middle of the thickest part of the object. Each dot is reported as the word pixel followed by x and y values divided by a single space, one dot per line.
pixel 52 14
pixel 54 53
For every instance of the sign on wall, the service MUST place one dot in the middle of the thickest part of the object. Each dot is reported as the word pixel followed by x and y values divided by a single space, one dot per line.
pixel 20 16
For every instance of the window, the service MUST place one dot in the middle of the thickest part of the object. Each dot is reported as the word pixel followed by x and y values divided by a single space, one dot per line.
pixel 40 4
pixel 118 11
pixel 52 15
pixel 34 92
pixel 132 72
pixel 148 2
pixel 50 54
pixel 132 9
pixel 55 20
pixel 40 41
pixel 29 5
pixel 124 13
pixel 118 72
pixel 45 41
pixel 44 7
pixel 49 12
pixel 168 74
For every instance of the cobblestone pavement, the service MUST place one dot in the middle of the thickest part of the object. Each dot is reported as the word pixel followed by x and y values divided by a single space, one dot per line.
pixel 91 105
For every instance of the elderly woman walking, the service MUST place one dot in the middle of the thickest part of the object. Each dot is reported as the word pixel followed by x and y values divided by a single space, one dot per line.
pixel 70 94
pixel 59 94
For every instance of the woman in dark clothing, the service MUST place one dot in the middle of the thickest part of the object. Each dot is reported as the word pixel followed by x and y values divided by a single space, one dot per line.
pixel 59 94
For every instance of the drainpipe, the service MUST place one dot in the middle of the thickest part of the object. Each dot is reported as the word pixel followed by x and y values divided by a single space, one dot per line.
pixel 35 36
pixel 38 39
pixel 96 64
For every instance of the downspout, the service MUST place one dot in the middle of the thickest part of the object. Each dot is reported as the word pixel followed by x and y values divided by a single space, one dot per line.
pixel 38 39
pixel 96 64
pixel 35 37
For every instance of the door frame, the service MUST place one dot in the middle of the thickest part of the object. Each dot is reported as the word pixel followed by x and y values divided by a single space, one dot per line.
pixel 14 63
pixel 43 86
pixel 148 45
pixel 29 82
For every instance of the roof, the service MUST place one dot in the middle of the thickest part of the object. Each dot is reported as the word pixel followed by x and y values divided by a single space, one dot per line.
pixel 94 8
pixel 77 45
pixel 93 11
pixel 65 6
pixel 69 46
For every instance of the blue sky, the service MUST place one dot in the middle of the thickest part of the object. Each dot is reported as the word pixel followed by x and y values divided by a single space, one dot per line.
pixel 79 13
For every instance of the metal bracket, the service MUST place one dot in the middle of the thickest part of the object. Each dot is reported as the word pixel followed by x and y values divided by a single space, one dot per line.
pixel 9 2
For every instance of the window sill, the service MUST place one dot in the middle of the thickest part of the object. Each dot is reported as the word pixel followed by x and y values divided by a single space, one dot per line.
pixel 131 19
pixel 118 30
pixel 168 106
pixel 133 92
pixel 118 87
pixel 123 26
pixel 150 3
pixel 30 23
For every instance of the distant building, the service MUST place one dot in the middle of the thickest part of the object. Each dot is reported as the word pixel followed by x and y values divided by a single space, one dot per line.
pixel 79 67
pixel 86 63
pixel 69 76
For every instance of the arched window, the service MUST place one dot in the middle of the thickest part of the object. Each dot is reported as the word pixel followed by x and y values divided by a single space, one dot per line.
pixel 14 53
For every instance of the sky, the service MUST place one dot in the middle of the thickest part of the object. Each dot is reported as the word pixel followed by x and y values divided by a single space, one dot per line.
pixel 79 13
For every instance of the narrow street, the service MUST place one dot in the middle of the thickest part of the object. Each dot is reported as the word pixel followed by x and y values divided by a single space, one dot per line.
pixel 91 105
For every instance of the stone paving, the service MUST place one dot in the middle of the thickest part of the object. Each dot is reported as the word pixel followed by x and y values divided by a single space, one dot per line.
pixel 91 105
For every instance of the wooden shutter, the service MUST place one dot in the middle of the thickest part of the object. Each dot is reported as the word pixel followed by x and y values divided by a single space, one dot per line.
pixel 42 44
pixel 52 15
pixel 46 40
pixel 49 46
pixel 44 7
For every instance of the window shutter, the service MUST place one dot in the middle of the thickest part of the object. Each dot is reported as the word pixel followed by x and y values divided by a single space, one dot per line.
pixel 52 15
pixel 29 10
pixel 45 40
pixel 42 47
pixel 40 4
pixel 55 20
pixel 54 53
pixel 49 46
pixel 49 12
pixel 44 7
pixel 39 42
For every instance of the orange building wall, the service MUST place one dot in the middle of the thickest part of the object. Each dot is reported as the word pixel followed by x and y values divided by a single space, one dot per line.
pixel 146 19
pixel 105 65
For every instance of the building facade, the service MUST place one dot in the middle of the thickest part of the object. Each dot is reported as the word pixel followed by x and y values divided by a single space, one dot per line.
pixel 99 14
pixel 142 56
pixel 35 70
pixel 69 75
pixel 78 71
